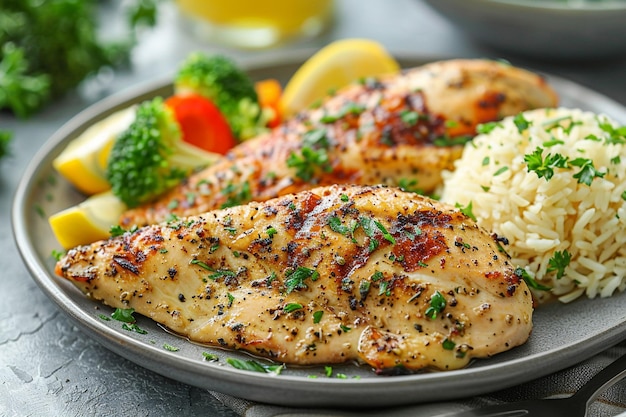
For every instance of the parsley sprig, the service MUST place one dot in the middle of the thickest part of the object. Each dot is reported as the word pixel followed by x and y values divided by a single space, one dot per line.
pixel 558 262
pixel 296 278
pixel 544 167
pixel 313 155
pixel 437 305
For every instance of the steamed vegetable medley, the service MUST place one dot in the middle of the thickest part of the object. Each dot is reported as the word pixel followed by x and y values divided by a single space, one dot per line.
pixel 136 154
pixel 141 152
pixel 215 105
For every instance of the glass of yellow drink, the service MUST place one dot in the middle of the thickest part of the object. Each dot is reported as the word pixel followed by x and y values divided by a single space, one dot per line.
pixel 255 23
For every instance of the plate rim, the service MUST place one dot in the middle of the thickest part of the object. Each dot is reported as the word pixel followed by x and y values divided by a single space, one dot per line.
pixel 332 392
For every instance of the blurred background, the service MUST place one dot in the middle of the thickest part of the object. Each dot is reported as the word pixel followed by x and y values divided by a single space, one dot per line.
pixel 111 43
pixel 59 56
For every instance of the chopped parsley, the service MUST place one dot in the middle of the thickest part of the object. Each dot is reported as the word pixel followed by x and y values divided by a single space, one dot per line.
pixel 448 344
pixel 118 230
pixel 558 262
pixel 201 264
pixel 58 254
pixel 171 348
pixel 220 273
pixel 295 278
pixel 291 307
pixel 521 123
pixel 317 316
pixel 231 299
pixel 211 357
pixel 254 366
pixel 377 276
pixel 544 167
pixel 486 128
pixel 467 210
pixel 409 185
pixel 124 315
pixel 133 327
pixel 500 171
pixel 369 227
pixel 409 117
pixel 446 140
pixel 437 305
pixel 530 280
pixel 364 289
pixel 313 154
pixel 336 225
pixel 349 108
pixel 384 288
pixel 236 195
pixel 587 171
pixel 616 135
pixel 385 233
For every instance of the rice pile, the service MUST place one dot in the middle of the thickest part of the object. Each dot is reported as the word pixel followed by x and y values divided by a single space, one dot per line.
pixel 577 207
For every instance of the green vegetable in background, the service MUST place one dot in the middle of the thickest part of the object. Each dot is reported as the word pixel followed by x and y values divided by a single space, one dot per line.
pixel 150 156
pixel 5 138
pixel 220 80
pixel 50 46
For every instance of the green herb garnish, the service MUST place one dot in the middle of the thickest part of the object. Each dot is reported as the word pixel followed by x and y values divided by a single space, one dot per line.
pixel 487 127
pixel 317 316
pixel 437 305
pixel 295 278
pixel 291 307
pixel 132 327
pixel 467 210
pixel 558 262
pixel 171 348
pixel 211 357
pixel 254 366
pixel 124 314
pixel 313 155
pixel 521 123
pixel 587 171
pixel 544 167
pixel 448 344
pixel 530 280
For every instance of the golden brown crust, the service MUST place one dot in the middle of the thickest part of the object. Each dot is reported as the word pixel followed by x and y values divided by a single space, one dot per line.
pixel 393 131
pixel 329 275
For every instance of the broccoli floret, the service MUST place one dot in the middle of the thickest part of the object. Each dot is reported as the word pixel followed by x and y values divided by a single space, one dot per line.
pixel 228 87
pixel 150 156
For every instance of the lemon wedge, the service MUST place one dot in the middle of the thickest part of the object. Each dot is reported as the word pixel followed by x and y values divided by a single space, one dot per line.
pixel 88 221
pixel 83 161
pixel 334 66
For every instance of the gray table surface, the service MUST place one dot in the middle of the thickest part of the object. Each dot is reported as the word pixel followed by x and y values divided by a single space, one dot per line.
pixel 50 368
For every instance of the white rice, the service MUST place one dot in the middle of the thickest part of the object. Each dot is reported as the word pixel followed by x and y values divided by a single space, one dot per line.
pixel 540 217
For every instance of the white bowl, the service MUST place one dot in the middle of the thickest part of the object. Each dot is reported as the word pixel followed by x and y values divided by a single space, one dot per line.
pixel 550 29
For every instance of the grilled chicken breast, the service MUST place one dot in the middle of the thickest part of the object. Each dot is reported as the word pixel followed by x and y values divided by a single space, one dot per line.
pixel 401 130
pixel 334 274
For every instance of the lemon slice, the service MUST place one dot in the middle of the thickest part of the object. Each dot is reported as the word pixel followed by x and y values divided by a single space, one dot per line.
pixel 332 67
pixel 83 161
pixel 88 221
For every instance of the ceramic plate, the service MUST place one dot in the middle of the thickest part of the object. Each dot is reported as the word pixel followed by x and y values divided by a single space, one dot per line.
pixel 563 334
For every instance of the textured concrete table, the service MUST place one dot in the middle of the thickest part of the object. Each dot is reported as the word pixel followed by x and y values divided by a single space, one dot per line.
pixel 50 368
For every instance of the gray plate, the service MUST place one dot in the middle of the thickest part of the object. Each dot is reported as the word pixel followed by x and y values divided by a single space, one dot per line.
pixel 563 334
